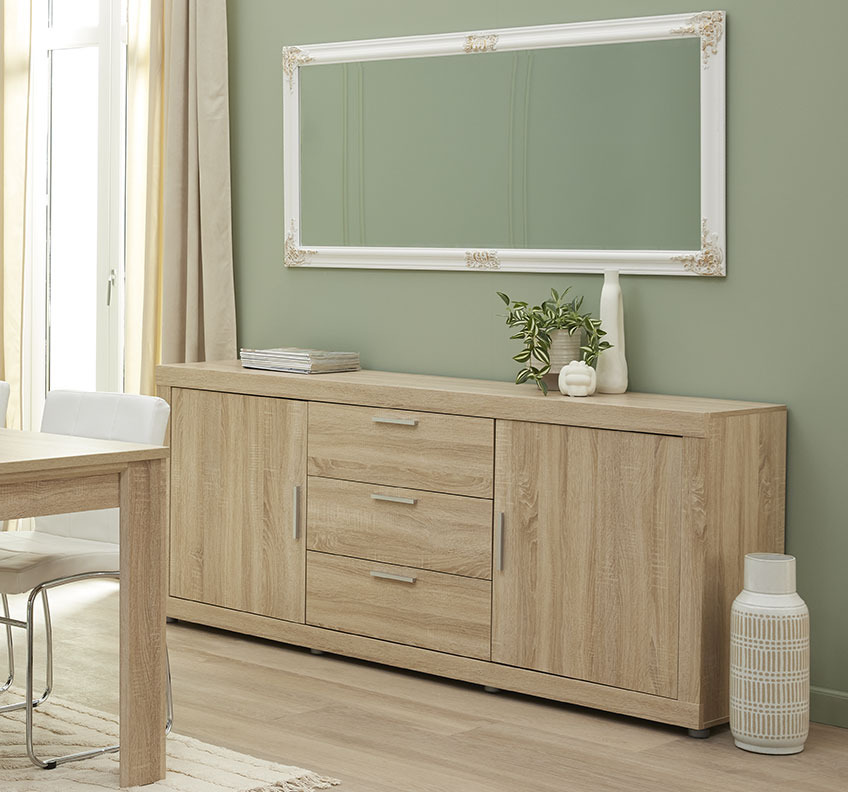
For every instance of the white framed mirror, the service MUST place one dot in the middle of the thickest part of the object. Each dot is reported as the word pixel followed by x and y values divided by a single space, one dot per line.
pixel 556 148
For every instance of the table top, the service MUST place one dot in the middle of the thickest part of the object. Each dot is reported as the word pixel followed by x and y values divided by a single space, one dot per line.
pixel 25 452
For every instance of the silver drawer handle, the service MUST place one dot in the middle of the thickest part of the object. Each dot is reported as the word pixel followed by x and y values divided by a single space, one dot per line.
pixel 398 421
pixel 390 576
pixel 499 543
pixel 392 498
pixel 296 513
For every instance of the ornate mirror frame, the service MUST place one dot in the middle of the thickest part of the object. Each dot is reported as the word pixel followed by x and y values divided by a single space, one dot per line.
pixel 708 26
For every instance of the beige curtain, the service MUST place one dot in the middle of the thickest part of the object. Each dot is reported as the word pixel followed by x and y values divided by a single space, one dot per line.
pixel 15 43
pixel 180 297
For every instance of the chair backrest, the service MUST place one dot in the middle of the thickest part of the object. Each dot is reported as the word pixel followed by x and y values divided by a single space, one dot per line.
pixel 4 401
pixel 106 416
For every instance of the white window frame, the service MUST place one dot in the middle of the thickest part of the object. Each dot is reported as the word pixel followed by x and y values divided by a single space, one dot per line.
pixel 110 37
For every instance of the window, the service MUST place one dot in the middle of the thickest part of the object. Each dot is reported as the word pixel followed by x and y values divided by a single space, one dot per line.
pixel 75 288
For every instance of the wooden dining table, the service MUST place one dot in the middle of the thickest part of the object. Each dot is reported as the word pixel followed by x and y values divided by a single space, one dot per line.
pixel 44 474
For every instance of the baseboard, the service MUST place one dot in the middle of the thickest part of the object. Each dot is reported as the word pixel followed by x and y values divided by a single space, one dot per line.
pixel 829 706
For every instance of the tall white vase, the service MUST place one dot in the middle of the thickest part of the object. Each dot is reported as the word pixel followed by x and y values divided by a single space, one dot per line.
pixel 769 659
pixel 612 364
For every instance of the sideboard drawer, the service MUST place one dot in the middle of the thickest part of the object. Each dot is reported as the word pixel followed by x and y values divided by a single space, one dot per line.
pixel 410 606
pixel 429 451
pixel 427 530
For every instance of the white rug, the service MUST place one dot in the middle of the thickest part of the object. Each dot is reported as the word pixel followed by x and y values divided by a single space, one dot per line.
pixel 62 727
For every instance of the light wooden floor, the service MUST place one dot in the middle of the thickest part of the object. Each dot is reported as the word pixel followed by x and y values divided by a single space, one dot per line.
pixel 381 730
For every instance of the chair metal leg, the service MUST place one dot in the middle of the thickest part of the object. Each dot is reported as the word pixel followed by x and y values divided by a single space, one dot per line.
pixel 169 694
pixel 48 687
pixel 29 704
pixel 48 637
pixel 48 764
pixel 10 646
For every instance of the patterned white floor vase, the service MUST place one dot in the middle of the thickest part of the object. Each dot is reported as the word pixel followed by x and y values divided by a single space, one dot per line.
pixel 193 766
pixel 769 659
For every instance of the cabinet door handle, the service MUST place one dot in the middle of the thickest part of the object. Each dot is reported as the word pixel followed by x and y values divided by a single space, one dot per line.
pixel 393 498
pixel 499 543
pixel 398 421
pixel 389 576
pixel 296 511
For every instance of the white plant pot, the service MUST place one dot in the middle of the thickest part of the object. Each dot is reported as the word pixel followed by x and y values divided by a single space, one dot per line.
pixel 564 349
pixel 769 659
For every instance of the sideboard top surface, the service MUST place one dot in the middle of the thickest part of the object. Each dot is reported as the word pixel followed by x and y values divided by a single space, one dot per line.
pixel 640 412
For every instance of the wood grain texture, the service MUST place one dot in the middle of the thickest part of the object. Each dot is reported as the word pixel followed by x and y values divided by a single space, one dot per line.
pixel 589 587
pixel 745 492
pixel 447 613
pixel 639 412
pixel 443 533
pixel 27 452
pixel 108 473
pixel 236 462
pixel 735 504
pixel 442 453
pixel 695 556
pixel 652 554
pixel 381 729
pixel 143 517
pixel 57 495
pixel 467 669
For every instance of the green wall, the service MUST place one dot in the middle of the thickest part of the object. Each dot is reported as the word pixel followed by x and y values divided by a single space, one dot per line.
pixel 774 329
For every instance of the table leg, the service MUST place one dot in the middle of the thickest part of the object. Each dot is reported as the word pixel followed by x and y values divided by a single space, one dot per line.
pixel 143 590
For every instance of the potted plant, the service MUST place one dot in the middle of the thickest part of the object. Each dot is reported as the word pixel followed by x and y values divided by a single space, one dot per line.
pixel 553 323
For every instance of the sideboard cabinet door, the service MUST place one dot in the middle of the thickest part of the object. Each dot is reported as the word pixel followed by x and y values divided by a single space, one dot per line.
pixel 586 570
pixel 235 465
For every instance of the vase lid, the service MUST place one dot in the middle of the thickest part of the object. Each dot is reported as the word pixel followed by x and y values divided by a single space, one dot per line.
pixel 770 573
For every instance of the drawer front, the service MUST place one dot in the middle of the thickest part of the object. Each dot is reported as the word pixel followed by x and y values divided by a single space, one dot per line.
pixel 428 451
pixel 427 530
pixel 432 610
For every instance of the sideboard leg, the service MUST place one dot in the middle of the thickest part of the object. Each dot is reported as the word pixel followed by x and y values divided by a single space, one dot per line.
pixel 171 620
pixel 316 651
pixel 699 734
pixel 490 689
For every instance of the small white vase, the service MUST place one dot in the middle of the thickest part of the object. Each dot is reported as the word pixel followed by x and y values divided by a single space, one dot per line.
pixel 612 363
pixel 769 659
pixel 577 379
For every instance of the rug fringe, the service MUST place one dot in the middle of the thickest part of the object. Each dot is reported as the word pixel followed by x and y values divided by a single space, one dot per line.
pixel 306 783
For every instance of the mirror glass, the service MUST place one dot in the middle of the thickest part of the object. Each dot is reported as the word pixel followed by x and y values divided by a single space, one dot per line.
pixel 587 147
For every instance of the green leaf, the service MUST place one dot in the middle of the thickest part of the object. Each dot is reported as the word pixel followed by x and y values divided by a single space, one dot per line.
pixel 522 357
pixel 503 297
pixel 522 376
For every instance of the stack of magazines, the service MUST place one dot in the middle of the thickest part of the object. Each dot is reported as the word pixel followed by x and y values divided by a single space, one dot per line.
pixel 300 361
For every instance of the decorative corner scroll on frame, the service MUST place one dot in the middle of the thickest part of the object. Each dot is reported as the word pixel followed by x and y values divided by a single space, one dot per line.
pixel 294 256
pixel 293 57
pixel 480 42
pixel 709 26
pixel 482 259
pixel 710 261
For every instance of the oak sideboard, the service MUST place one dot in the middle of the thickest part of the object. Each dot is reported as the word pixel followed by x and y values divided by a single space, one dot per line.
pixel 582 550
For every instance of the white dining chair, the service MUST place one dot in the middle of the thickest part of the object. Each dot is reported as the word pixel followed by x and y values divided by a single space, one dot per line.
pixel 4 402
pixel 66 548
